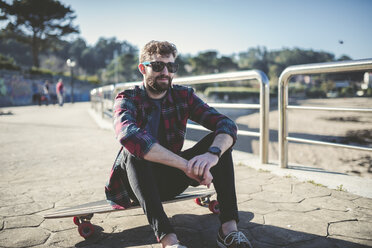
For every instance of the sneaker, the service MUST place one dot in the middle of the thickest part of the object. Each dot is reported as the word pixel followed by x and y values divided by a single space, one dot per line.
pixel 233 240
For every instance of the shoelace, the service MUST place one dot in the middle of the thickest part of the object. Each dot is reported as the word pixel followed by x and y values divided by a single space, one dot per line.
pixel 238 236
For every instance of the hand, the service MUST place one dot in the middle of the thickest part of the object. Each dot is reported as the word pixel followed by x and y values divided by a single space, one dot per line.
pixel 192 176
pixel 207 179
pixel 200 166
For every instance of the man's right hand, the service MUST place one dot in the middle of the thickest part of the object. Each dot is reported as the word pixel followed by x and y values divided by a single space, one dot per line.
pixel 193 176
pixel 205 179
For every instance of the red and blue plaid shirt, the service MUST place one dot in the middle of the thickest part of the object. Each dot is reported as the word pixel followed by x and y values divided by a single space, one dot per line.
pixel 131 115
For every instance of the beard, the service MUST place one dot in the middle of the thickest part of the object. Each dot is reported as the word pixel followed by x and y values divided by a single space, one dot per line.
pixel 158 87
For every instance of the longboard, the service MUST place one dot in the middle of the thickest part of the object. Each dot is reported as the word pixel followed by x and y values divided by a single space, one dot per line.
pixel 82 214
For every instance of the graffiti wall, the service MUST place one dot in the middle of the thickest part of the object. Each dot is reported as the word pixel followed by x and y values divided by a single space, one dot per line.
pixel 17 89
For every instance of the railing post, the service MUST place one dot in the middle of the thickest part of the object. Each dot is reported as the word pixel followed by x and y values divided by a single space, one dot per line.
pixel 100 95
pixel 318 68
pixel 264 117
pixel 283 125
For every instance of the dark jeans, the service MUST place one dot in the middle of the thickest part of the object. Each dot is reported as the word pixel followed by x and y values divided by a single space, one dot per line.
pixel 153 183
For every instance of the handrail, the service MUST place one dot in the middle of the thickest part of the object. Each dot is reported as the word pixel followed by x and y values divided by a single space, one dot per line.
pixel 332 67
pixel 330 108
pixel 214 78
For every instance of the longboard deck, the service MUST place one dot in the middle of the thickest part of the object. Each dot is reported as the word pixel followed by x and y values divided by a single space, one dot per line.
pixel 104 207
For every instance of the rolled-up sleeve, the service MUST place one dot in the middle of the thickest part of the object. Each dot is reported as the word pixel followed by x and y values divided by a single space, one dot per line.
pixel 128 132
pixel 209 117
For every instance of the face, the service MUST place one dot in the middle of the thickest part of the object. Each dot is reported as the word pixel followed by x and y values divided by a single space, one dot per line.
pixel 158 82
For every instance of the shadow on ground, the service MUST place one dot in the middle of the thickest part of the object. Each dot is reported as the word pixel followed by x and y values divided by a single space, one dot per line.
pixel 199 231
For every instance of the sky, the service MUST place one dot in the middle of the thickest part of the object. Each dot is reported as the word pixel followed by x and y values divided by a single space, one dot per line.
pixel 231 26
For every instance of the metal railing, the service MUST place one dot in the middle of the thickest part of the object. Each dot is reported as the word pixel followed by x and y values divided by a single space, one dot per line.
pixel 334 67
pixel 102 98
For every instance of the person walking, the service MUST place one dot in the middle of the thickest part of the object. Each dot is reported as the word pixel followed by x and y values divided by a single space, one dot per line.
pixel 59 91
pixel 46 87
pixel 150 124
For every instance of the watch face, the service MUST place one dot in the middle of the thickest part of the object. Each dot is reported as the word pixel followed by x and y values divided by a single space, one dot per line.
pixel 215 150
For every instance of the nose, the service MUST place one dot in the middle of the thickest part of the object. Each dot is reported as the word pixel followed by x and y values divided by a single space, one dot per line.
pixel 165 70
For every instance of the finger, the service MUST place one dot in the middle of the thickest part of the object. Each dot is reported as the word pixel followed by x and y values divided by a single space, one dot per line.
pixel 196 167
pixel 201 169
pixel 190 165
pixel 206 170
pixel 209 177
pixel 206 182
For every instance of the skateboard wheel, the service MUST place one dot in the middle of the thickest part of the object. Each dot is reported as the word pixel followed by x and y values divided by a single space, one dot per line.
pixel 198 201
pixel 76 221
pixel 86 229
pixel 214 207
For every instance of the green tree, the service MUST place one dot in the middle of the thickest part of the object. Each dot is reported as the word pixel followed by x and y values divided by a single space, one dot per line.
pixel 209 62
pixel 99 56
pixel 20 52
pixel 184 68
pixel 255 58
pixel 37 23
pixel 123 69
pixel 204 63
pixel 225 64
pixel 7 63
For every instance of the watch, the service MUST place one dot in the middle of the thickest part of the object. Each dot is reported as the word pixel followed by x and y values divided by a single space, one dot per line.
pixel 215 150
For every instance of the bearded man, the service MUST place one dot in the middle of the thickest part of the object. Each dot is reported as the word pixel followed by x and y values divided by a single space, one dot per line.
pixel 150 124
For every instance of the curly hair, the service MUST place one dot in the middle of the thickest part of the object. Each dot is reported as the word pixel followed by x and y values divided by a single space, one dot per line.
pixel 163 48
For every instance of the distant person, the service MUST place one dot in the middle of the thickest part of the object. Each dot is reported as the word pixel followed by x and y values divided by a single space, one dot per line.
pixel 46 89
pixel 150 123
pixel 59 91
pixel 36 96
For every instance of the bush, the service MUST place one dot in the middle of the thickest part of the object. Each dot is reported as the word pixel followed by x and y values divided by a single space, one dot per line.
pixel 8 63
pixel 296 89
pixel 40 71
pixel 368 92
pixel 347 92
pixel 232 92
pixel 315 93
pixel 91 79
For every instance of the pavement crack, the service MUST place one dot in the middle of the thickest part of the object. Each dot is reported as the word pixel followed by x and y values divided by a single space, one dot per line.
pixel 339 221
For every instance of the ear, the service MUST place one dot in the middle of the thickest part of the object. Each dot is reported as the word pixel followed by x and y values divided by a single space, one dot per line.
pixel 141 68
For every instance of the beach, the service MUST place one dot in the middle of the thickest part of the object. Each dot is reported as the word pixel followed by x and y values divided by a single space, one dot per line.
pixel 350 128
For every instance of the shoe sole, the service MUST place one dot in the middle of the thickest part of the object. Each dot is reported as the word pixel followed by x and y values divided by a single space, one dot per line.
pixel 221 245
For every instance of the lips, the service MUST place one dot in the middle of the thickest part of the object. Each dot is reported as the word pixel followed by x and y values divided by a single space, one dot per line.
pixel 163 78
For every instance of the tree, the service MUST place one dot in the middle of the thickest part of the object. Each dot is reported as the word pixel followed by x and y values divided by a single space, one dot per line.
pixel 37 23
pixel 123 69
pixel 255 58
pixel 20 52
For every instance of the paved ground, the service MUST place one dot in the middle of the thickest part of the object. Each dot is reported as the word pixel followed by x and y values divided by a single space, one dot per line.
pixel 55 157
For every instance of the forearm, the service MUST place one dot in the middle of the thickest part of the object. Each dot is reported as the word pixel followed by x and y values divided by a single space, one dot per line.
pixel 223 141
pixel 160 154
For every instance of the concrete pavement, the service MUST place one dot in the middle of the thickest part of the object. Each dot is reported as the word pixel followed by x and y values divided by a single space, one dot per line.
pixel 54 157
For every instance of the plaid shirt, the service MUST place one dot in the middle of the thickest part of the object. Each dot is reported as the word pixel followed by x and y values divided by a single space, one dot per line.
pixel 131 115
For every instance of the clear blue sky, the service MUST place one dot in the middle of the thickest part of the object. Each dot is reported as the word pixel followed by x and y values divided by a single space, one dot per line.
pixel 232 26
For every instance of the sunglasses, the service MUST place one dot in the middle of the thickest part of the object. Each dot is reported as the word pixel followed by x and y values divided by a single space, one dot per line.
pixel 158 66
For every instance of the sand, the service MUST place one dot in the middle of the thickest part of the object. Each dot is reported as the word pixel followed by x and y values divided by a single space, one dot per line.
pixel 352 128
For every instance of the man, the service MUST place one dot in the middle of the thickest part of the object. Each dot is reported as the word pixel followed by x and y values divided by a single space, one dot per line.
pixel 59 90
pixel 150 123
pixel 46 92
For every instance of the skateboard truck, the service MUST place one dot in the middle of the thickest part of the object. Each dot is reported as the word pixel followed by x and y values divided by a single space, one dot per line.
pixel 85 227
pixel 212 205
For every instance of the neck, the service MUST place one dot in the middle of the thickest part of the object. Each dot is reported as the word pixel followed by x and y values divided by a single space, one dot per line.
pixel 154 95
